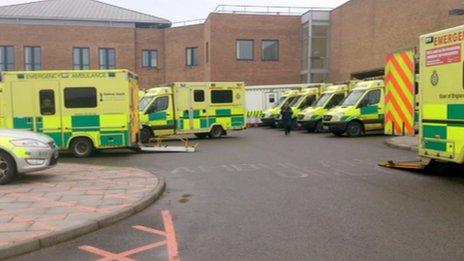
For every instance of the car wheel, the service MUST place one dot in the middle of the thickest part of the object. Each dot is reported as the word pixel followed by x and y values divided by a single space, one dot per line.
pixel 7 168
pixel 216 132
pixel 146 134
pixel 354 129
pixel 319 127
pixel 82 147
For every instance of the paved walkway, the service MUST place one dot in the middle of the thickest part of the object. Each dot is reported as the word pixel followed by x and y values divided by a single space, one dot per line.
pixel 45 208
pixel 405 143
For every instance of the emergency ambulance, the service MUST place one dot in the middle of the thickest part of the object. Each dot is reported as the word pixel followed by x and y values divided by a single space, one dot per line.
pixel 442 95
pixel 311 118
pixel 303 100
pixel 362 111
pixel 269 116
pixel 81 111
pixel 204 109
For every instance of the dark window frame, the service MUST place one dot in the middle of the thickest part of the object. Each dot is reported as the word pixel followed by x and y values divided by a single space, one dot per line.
pixel 252 50
pixel 262 50
pixel 53 102
pixel 81 58
pixel 66 102
pixel 106 65
pixel 4 59
pixel 379 98
pixel 213 97
pixel 150 56
pixel 202 99
pixel 192 58
pixel 33 63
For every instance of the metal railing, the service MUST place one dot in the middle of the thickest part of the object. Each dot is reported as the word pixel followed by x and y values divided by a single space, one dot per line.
pixel 188 22
pixel 267 10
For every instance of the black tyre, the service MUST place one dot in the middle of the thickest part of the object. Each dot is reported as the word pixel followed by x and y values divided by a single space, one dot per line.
pixel 319 127
pixel 146 134
pixel 216 132
pixel 7 168
pixel 354 129
pixel 201 135
pixel 82 147
pixel 338 133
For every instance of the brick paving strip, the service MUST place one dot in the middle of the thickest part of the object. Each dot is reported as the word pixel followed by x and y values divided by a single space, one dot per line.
pixel 46 208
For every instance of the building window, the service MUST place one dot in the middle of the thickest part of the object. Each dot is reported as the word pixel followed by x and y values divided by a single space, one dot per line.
pixel 198 96
pixel 244 50
pixel 319 77
pixel 81 58
pixel 47 102
pixel 191 56
pixel 150 58
pixel 319 46
pixel 32 58
pixel 6 58
pixel 270 50
pixel 221 96
pixel 81 97
pixel 107 58
pixel 207 52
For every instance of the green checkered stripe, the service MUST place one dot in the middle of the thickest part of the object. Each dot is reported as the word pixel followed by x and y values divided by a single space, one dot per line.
pixel 206 121
pixel 82 125
pixel 451 129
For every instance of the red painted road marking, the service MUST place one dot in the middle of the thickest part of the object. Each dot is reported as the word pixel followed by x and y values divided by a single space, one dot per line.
pixel 170 241
pixel 170 236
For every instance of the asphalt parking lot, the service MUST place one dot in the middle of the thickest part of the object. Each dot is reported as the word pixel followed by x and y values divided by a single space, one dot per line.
pixel 259 195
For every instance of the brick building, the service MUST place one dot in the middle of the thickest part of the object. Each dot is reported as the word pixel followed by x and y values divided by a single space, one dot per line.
pixel 87 34
pixel 364 32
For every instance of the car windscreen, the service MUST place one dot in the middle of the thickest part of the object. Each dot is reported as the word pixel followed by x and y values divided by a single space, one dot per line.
pixel 323 100
pixel 145 102
pixel 353 98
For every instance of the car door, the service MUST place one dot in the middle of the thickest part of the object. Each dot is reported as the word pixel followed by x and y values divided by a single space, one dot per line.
pixel 160 114
pixel 371 110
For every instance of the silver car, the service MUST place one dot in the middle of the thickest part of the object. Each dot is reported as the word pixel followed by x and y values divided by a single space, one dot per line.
pixel 23 152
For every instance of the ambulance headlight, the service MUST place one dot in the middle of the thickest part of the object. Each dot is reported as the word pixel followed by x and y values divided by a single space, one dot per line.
pixel 30 143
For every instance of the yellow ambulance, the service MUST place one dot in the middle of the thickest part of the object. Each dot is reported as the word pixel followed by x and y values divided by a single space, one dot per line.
pixel 441 95
pixel 269 117
pixel 81 111
pixel 303 100
pixel 362 111
pixel 311 118
pixel 206 109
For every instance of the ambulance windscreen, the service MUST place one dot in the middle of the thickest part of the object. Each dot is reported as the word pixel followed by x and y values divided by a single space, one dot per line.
pixel 323 100
pixel 145 102
pixel 353 98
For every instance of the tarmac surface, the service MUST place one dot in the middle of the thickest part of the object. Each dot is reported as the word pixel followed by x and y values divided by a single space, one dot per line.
pixel 259 195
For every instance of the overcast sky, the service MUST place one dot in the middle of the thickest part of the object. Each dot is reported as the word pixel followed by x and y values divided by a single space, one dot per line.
pixel 181 10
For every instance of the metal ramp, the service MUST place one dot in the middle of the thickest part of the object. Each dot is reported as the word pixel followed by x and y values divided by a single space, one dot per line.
pixel 411 165
pixel 160 147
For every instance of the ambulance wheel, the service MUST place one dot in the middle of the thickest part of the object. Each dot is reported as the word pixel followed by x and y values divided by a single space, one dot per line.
pixel 354 129
pixel 319 127
pixel 146 134
pixel 82 147
pixel 7 168
pixel 216 132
